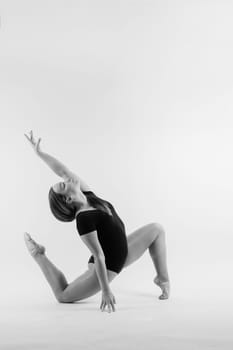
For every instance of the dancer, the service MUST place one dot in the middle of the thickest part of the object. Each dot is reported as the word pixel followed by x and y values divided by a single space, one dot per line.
pixel 103 232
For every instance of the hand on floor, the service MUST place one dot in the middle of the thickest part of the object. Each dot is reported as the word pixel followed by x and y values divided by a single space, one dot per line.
pixel 108 300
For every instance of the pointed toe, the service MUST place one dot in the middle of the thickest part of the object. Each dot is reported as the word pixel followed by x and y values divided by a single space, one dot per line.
pixel 33 247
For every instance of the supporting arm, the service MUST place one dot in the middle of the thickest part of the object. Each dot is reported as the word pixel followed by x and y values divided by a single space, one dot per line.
pixel 101 271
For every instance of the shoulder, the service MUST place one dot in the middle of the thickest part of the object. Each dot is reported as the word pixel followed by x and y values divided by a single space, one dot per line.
pixel 86 222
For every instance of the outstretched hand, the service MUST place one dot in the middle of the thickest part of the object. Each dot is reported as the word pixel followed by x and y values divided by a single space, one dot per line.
pixel 35 144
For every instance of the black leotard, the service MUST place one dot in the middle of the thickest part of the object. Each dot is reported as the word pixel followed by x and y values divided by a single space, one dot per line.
pixel 110 232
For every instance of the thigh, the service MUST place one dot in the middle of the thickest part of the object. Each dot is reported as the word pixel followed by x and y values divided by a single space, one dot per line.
pixel 84 286
pixel 139 241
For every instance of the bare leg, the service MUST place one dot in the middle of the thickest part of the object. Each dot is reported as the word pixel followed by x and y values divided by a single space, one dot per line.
pixel 82 287
pixel 151 237
pixel 158 254
pixel 55 277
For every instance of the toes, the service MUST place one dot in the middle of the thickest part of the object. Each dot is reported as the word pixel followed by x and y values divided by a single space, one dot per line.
pixel 33 247
pixel 165 286
pixel 165 294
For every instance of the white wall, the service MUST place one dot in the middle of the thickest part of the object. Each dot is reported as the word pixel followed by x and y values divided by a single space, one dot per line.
pixel 136 98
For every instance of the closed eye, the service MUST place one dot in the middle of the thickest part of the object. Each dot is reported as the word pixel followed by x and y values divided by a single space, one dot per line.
pixel 62 185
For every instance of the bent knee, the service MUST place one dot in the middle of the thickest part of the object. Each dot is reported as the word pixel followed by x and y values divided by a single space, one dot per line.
pixel 62 298
pixel 62 301
pixel 159 228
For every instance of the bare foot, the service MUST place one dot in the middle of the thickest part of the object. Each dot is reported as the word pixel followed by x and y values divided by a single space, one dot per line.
pixel 165 286
pixel 33 247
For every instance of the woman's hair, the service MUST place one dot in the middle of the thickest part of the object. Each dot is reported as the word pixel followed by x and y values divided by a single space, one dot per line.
pixel 66 212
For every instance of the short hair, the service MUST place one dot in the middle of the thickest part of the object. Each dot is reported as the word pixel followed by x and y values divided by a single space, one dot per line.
pixel 61 210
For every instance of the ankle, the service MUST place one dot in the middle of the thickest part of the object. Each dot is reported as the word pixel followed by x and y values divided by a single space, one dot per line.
pixel 39 257
pixel 163 279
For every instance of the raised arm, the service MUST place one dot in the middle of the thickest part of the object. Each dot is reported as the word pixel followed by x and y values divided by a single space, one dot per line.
pixel 58 167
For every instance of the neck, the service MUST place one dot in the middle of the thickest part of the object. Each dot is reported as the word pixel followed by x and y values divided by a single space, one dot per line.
pixel 83 205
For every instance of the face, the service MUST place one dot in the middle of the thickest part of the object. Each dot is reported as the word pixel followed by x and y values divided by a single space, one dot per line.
pixel 70 190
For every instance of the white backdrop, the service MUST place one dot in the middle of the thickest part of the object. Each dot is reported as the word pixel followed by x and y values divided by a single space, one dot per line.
pixel 136 98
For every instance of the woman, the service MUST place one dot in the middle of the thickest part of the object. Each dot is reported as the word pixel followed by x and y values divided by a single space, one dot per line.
pixel 102 230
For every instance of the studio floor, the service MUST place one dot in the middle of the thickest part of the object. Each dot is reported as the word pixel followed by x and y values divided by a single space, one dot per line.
pixel 189 321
